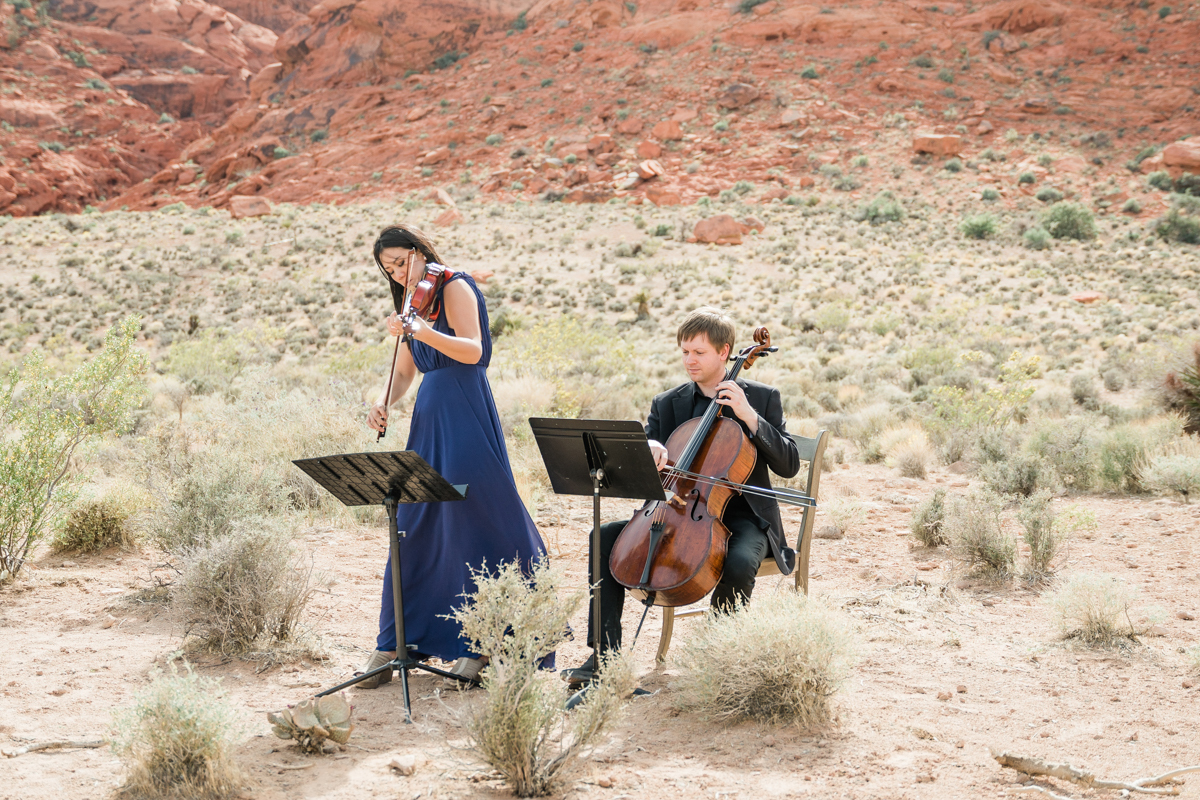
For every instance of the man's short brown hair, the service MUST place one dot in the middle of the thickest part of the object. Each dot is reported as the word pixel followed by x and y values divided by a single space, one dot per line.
pixel 712 322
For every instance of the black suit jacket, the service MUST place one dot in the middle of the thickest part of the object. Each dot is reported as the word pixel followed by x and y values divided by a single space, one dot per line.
pixel 776 450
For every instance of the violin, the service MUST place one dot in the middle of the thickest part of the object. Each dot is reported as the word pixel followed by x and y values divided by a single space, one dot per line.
pixel 421 302
pixel 674 550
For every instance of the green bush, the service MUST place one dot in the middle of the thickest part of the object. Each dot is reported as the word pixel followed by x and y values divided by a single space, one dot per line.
pixel 979 226
pixel 989 195
pixel 1036 238
pixel 953 165
pixel 1094 608
pixel 778 659
pixel 1070 221
pixel 1175 227
pixel 810 73
pixel 1026 177
pixel 493 139
pixel 1132 206
pixel 1174 473
pixel 923 61
pixel 883 208
pixel 319 135
pixel 178 739
pixel 1160 180
pixel 1048 194
pixel 43 425
pixel 946 75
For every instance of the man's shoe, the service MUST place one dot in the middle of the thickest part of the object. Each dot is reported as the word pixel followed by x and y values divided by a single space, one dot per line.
pixel 582 674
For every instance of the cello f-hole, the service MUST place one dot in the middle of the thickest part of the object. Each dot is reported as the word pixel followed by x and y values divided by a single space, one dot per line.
pixel 696 506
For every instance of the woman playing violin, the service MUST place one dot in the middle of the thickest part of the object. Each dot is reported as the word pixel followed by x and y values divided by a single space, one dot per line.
pixel 455 427
pixel 706 339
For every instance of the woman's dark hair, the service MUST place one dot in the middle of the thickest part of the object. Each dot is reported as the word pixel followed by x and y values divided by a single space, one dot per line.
pixel 409 238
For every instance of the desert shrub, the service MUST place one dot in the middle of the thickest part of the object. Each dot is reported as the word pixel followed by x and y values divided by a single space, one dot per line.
pixel 1047 531
pixel 1084 392
pixel 43 421
pixel 1068 448
pixel 244 591
pixel 1124 450
pixel 908 451
pixel 1132 206
pixel 211 360
pixel 979 226
pixel 1026 177
pixel 953 165
pixel 972 524
pixel 844 513
pixel 1094 608
pixel 989 195
pixel 883 208
pixel 1070 221
pixel 1021 473
pixel 1177 472
pixel 1036 238
pixel 810 73
pixel 1160 179
pixel 97 525
pixel 959 416
pixel 929 519
pixel 520 728
pixel 1176 227
pixel 866 427
pixel 1114 380
pixel 178 739
pixel 1180 390
pixel 1048 194
pixel 778 659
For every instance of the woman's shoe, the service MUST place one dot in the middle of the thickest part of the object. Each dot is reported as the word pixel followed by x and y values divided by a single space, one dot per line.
pixel 468 668
pixel 378 659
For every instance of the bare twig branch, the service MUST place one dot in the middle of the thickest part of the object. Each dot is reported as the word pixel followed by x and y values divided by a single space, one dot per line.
pixel 1066 772
pixel 32 748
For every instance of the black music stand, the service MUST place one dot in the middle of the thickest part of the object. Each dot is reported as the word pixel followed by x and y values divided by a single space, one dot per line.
pixel 603 458
pixel 364 479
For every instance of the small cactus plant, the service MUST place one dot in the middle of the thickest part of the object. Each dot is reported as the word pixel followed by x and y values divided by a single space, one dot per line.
pixel 316 723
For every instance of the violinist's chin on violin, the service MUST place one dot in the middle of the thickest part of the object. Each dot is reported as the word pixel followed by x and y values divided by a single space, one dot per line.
pixel 723 434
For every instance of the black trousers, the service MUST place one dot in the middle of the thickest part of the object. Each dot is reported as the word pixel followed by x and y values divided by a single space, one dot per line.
pixel 748 546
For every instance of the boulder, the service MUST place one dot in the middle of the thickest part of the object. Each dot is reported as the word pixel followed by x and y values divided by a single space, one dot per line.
pixel 441 197
pixel 668 130
pixel 242 206
pixel 451 216
pixel 721 229
pixel 1035 105
pixel 435 156
pixel 649 149
pixel 661 196
pixel 650 169
pixel 630 126
pixel 1183 155
pixel 737 95
pixel 265 79
pixel 938 144
pixel 419 112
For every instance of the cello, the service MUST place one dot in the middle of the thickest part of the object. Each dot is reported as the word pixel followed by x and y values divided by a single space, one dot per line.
pixel 674 550
pixel 420 302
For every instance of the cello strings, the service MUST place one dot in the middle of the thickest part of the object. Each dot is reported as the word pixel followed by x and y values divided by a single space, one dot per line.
pixel 786 496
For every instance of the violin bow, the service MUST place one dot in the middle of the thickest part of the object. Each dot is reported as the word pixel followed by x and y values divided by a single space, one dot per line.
pixel 387 398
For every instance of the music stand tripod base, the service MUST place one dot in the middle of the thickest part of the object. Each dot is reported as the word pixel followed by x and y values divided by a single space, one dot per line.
pixel 390 478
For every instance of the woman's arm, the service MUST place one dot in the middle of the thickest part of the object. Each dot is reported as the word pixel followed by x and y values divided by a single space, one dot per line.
pixel 402 378
pixel 462 312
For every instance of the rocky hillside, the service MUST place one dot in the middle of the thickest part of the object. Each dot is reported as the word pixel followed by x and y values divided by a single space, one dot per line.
pixel 665 100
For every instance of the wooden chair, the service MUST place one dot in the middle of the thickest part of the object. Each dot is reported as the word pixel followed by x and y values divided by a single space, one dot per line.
pixel 812 451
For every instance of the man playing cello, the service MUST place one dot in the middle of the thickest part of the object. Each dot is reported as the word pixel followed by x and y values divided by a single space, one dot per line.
pixel 706 339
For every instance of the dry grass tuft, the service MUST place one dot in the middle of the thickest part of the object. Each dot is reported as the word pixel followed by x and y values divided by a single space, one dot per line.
pixel 1095 609
pixel 779 659
pixel 244 591
pixel 98 525
pixel 907 450
pixel 178 739
pixel 521 728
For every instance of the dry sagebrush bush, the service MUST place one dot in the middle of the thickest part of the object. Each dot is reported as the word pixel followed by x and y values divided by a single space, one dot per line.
pixel 973 527
pixel 1176 469
pixel 1095 608
pixel 521 728
pixel 245 590
pixel 178 738
pixel 99 524
pixel 779 659
pixel 929 520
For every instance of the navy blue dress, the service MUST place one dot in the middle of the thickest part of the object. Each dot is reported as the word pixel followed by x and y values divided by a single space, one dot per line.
pixel 456 429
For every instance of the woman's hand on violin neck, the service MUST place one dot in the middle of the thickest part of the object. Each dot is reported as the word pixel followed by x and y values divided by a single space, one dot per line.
pixel 660 454
pixel 419 329
pixel 731 395
pixel 377 417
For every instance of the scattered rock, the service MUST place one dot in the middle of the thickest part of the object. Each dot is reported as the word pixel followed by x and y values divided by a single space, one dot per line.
pixel 830 532
pixel 667 131
pixel 404 765
pixel 721 229
pixel 938 144
pixel 1183 155
pixel 605 783
pixel 441 197
pixel 241 206
pixel 1087 298
pixel 662 197
pixel 737 95
pixel 450 216
pixel 961 688
pixel 768 741
pixel 945 695
pixel 983 128
pixel 1155 515
pixel 435 156
pixel 650 169
pixel 649 149
pixel 1185 615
